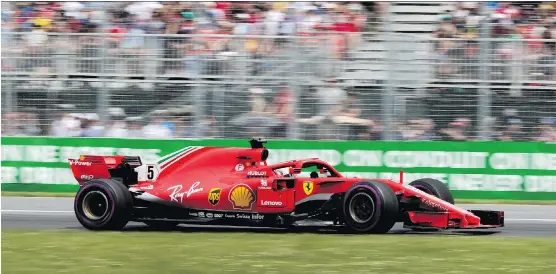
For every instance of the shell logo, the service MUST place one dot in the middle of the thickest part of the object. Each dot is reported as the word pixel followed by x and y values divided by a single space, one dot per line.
pixel 242 197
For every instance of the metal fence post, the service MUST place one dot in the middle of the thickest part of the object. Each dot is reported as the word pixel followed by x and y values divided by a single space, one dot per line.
pixel 199 104
pixel 387 108
pixel 484 100
pixel 9 96
pixel 293 128
pixel 103 98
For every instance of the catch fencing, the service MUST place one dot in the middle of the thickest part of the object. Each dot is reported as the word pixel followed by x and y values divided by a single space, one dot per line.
pixel 318 86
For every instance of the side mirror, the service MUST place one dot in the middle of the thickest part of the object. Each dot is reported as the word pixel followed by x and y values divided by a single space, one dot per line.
pixel 295 170
pixel 280 184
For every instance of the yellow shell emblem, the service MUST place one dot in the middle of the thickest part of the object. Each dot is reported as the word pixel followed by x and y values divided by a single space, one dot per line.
pixel 242 197
pixel 308 187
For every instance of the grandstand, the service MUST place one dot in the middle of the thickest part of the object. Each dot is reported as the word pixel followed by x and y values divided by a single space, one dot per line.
pixel 192 69
pixel 411 25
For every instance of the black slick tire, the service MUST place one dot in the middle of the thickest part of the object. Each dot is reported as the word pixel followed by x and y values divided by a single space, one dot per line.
pixel 435 188
pixel 103 204
pixel 370 207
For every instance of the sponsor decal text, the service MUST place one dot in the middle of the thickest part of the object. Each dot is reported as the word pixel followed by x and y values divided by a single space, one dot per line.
pixel 176 194
pixel 256 173
pixel 78 163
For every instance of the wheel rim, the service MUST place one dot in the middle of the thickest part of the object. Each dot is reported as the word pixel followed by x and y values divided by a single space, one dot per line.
pixel 95 205
pixel 361 207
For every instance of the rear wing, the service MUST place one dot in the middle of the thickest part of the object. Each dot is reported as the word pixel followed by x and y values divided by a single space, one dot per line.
pixel 89 167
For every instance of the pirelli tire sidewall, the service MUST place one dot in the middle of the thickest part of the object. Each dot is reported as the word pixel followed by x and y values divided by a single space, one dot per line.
pixel 119 204
pixel 385 211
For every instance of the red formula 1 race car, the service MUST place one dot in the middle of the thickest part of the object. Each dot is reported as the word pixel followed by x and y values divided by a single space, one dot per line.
pixel 236 186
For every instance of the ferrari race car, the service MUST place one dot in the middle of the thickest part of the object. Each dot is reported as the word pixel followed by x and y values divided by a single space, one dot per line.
pixel 236 186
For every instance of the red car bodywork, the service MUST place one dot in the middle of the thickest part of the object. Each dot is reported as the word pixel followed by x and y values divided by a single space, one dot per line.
pixel 227 181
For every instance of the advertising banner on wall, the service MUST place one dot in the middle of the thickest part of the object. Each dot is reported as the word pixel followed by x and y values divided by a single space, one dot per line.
pixel 472 170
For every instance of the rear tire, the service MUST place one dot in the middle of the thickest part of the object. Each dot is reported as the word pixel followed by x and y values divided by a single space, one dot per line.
pixel 103 204
pixel 370 207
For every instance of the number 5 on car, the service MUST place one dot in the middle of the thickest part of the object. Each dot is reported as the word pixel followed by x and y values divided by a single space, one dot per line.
pixel 151 172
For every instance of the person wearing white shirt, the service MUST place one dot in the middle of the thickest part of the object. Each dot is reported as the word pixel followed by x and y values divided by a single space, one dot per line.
pixel 272 21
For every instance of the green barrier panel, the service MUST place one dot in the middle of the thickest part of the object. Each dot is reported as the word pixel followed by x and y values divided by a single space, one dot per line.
pixel 472 170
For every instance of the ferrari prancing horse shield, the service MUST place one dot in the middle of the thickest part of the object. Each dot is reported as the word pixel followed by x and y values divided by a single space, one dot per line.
pixel 308 187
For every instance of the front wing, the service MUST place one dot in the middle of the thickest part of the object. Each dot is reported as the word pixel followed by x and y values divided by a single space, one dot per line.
pixel 447 220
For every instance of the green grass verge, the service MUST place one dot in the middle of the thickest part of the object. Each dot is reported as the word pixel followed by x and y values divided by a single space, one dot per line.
pixel 195 252
pixel 458 201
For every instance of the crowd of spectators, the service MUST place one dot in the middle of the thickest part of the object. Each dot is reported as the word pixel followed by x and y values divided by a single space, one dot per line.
pixel 263 18
pixel 69 122
pixel 275 113
pixel 458 56
pixel 342 22
pixel 522 61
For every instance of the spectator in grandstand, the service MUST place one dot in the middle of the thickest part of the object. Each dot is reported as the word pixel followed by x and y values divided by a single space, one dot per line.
pixel 206 128
pixel 282 107
pixel 370 133
pixel 89 48
pixel 326 117
pixel 419 130
pixel 20 124
pixel 66 122
pixel 10 128
pixel 91 126
pixel 447 28
pixel 158 127
pixel 546 131
pixel 68 126
pixel 347 114
pixel 456 130
pixel 512 131
pixel 329 96
pixel 546 61
pixel 132 48
pixel 135 127
pixel 444 48
pixel 117 126
pixel 274 18
pixel 258 120
pixel 35 47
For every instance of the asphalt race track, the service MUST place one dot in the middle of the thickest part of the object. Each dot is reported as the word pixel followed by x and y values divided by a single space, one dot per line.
pixel 57 213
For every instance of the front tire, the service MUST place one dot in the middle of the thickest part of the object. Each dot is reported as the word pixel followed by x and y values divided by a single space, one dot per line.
pixel 370 207
pixel 434 187
pixel 103 204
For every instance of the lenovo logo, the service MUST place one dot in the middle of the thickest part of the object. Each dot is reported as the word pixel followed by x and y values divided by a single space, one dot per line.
pixel 271 203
